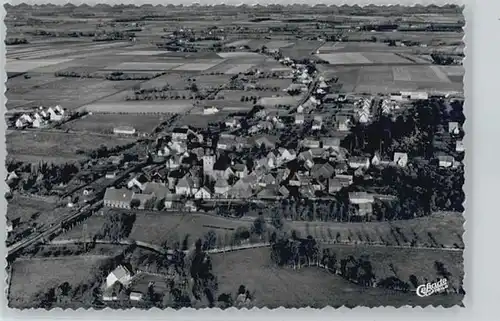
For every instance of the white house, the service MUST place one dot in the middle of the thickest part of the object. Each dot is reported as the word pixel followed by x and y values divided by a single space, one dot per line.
pixel 203 193
pixel 342 123
pixel 299 119
pixel 120 274
pixel 317 123
pixel 135 296
pixel 124 130
pixel 459 146
pixel 400 159
pixel 184 186
pixel 139 181
pixel 360 198
pixel 359 162
pixel 210 110
pixel 453 128
pixel 445 161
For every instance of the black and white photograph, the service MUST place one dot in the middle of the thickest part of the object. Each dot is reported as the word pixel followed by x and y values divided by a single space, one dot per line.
pixel 219 156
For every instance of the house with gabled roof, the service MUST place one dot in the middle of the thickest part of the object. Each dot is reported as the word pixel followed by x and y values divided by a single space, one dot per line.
pixel 322 171
pixel 138 181
pixel 310 143
pixel 270 192
pixel 331 143
pixel 299 119
pixel 459 146
pixel 400 159
pixel 221 187
pixel 361 197
pixel 184 186
pixel 118 198
pixel 240 170
pixel 340 167
pixel 453 127
pixel 286 155
pixel 159 190
pixel 266 180
pixel 445 161
pixel 342 123
pixel 121 275
pixel 356 162
pixel 267 141
pixel 240 189
pixel 203 193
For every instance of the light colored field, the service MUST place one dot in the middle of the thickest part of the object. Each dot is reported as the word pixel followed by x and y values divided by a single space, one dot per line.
pixel 375 74
pixel 139 107
pixel 238 43
pixel 41 144
pixel 275 287
pixel 344 58
pixel 420 74
pixel 453 70
pixel 385 58
pixel 275 101
pixel 26 65
pixel 277 44
pixel 196 66
pixel 30 276
pixel 239 54
pixel 104 123
pixel 238 69
pixel 142 53
pixel 441 75
pixel 146 66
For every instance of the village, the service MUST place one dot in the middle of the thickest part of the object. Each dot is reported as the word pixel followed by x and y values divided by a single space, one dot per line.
pixel 177 154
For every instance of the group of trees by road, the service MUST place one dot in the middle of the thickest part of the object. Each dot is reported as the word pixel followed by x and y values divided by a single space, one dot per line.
pixel 117 226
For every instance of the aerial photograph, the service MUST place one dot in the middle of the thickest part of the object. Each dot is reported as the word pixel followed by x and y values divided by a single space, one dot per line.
pixel 244 156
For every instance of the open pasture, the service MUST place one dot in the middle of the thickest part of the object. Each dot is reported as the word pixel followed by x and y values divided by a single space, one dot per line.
pixel 406 262
pixel 239 55
pixel 142 53
pixel 140 107
pixel 198 66
pixel 274 287
pixel 104 123
pixel 47 144
pixel 72 93
pixel 436 230
pixel 159 228
pixel 143 66
pixel 27 65
pixel 29 276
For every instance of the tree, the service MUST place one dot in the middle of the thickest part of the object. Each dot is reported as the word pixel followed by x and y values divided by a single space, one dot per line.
pixel 277 219
pixel 135 203
pixel 259 225
pixel 210 240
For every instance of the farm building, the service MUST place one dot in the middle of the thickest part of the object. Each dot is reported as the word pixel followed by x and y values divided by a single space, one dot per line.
pixel 210 110
pixel 124 130
pixel 359 162
pixel 203 193
pixel 446 161
pixel 135 296
pixel 119 198
pixel 121 274
pixel 361 198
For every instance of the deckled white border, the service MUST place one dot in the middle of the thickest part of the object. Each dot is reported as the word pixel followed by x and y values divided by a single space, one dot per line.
pixel 481 107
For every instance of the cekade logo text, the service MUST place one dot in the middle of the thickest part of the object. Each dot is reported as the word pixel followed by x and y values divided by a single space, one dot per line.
pixel 431 288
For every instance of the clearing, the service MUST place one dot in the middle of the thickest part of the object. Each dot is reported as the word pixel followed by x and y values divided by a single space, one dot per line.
pixel 31 276
pixel 273 287
pixel 104 123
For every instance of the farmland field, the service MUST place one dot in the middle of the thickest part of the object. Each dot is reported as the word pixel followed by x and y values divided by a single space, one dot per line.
pixel 196 66
pixel 29 276
pixel 144 66
pixel 437 229
pixel 352 58
pixel 273 287
pixel 158 228
pixel 140 107
pixel 26 65
pixel 106 122
pixel 44 145
pixel 241 54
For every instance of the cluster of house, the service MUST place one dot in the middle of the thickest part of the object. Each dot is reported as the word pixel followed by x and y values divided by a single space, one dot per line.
pixel 121 276
pixel 40 117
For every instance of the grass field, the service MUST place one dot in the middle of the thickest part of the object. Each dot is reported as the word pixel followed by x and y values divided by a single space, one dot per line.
pixel 43 145
pixel 446 229
pixel 29 64
pixel 158 228
pixel 29 276
pixel 139 107
pixel 106 122
pixel 274 287
pixel 406 262
pixel 143 66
